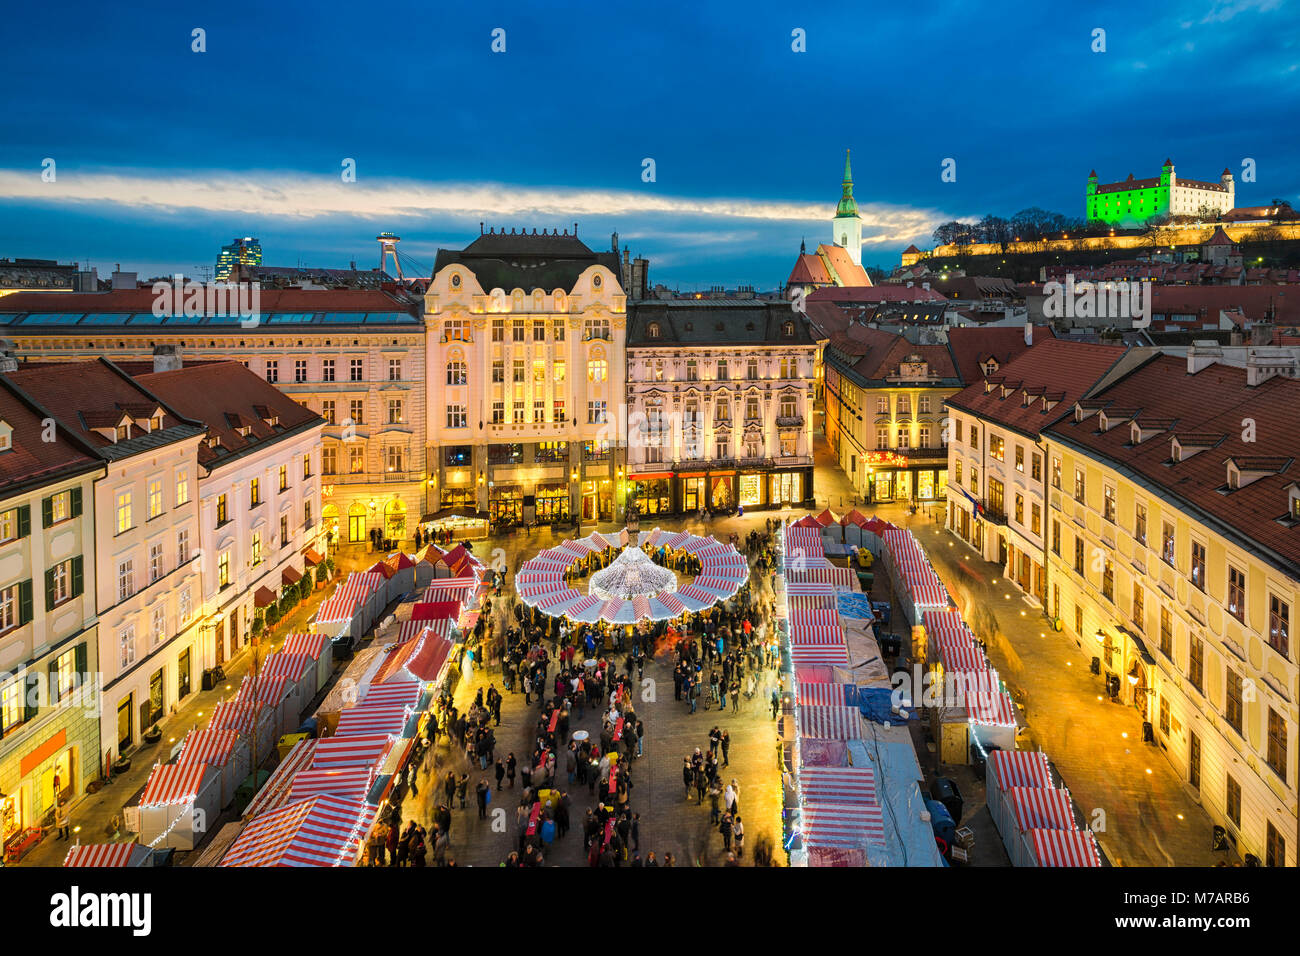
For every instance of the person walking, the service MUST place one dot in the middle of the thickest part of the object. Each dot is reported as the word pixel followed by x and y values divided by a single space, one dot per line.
pixel 500 772
pixel 61 819
pixel 511 763
pixel 481 793
pixel 738 833
pixel 462 789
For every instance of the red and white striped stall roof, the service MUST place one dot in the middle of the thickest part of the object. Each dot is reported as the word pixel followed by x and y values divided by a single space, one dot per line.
pixel 585 604
pixel 820 695
pixel 394 693
pixel 450 589
pixel 807 635
pixel 1064 847
pixel 275 791
pixel 269 690
pixel 815 675
pixel 960 653
pixel 338 607
pixel 556 598
pixel 923 584
pixel 794 589
pixel 825 617
pixel 358 751
pixel 835 723
pixel 212 747
pixel 671 603
pixel 577 547
pixel 375 719
pixel 940 622
pixel 105 854
pixel 695 594
pixel 817 602
pixel 713 550
pixel 309 645
pixel 725 586
pixel 343 782
pixel 410 630
pixel 837 578
pixel 172 783
pixel 846 786
pixel 289 666
pixel 803 541
pixel 985 700
pixel 1041 808
pixel 421 659
pixel 322 831
pixel 835 825
pixel 237 715
pixel 823 655
pixel 1020 768
pixel 368 582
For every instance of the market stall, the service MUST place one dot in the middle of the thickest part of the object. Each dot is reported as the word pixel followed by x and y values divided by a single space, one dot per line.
pixel 299 674
pixel 108 855
pixel 179 803
pixel 325 830
pixel 223 750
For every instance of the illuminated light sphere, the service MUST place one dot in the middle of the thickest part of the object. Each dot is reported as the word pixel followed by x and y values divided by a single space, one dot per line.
pixel 632 574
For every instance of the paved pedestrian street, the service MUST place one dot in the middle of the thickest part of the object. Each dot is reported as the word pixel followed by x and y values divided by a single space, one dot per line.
pixel 669 823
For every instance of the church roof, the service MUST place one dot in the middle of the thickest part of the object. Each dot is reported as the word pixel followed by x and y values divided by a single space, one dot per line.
pixel 848 206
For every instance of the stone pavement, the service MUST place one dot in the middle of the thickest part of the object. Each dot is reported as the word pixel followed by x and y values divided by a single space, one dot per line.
pixel 669 823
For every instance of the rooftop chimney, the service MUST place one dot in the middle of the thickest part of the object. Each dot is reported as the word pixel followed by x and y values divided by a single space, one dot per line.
pixel 166 358
pixel 8 361
pixel 123 280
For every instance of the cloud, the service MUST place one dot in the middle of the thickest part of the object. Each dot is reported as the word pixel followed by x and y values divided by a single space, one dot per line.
pixel 292 196
pixel 1224 10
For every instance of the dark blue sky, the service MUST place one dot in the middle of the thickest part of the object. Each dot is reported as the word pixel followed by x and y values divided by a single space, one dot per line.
pixel 164 154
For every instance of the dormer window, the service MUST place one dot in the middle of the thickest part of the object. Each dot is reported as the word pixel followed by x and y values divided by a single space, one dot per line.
pixel 652 330
pixel 787 330
pixel 1135 434
pixel 1234 477
pixel 155 423
pixel 6 436
pixel 1295 504
pixel 122 433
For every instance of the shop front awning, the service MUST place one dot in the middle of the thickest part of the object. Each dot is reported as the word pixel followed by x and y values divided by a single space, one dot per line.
pixel 291 575
pixel 264 597
pixel 651 476
pixel 441 515
pixel 311 557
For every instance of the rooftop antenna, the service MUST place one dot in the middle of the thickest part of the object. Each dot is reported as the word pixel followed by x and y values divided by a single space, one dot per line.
pixel 388 246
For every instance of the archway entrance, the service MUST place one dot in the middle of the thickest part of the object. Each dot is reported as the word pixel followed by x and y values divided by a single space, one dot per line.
pixel 395 520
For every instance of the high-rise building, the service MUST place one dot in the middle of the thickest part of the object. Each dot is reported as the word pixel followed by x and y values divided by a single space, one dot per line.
pixel 244 252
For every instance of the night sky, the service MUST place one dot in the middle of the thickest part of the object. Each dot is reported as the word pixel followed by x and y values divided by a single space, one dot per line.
pixel 163 154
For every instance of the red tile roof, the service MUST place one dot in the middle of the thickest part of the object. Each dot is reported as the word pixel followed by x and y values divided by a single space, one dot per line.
pixel 876 293
pixel 850 274
pixel 32 461
pixel 1063 370
pixel 103 394
pixel 225 396
pixel 971 347
pixel 1212 402
pixel 142 300
pixel 808 269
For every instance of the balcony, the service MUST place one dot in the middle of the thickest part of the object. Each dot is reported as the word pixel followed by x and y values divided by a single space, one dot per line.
pixel 789 421
pixel 994 515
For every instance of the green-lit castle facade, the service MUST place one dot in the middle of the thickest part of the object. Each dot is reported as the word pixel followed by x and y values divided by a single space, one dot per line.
pixel 1134 201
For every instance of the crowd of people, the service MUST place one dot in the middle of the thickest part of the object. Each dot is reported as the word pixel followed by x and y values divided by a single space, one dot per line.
pixel 722 657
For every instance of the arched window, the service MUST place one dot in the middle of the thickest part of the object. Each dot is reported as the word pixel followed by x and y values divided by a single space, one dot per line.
pixel 788 330
pixel 652 330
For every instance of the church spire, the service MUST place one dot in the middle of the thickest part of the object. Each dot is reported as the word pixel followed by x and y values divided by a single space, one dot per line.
pixel 848 205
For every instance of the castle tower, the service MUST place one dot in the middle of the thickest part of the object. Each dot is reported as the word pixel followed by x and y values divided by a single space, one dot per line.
pixel 1231 187
pixel 846 227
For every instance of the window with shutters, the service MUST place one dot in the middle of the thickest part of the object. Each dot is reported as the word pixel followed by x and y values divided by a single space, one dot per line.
pixel 59 507
pixel 65 674
pixel 60 584
pixel 9 525
pixel 11 709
